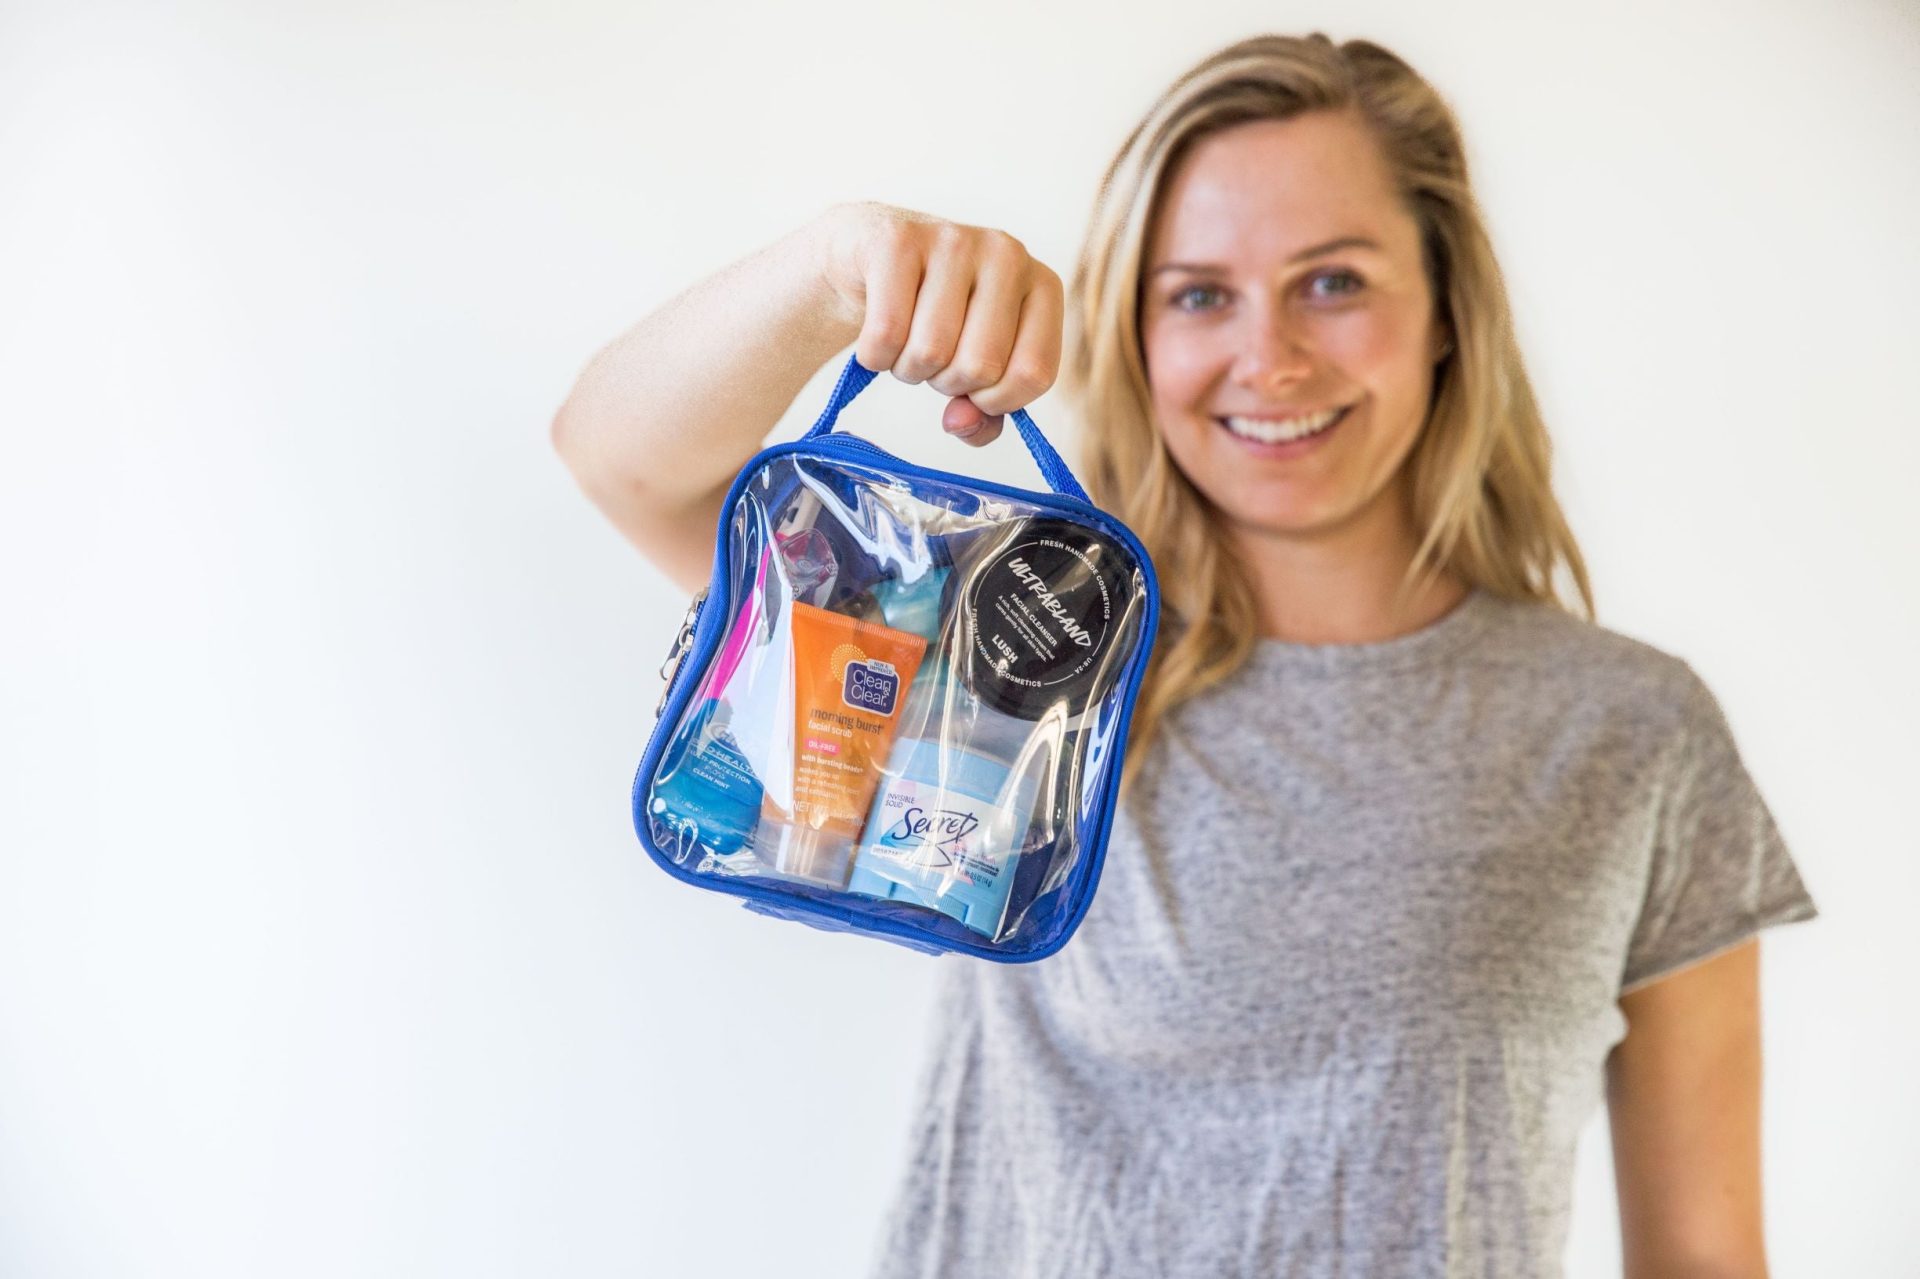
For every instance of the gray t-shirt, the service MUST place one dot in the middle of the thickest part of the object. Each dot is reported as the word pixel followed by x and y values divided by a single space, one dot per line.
pixel 1342 1002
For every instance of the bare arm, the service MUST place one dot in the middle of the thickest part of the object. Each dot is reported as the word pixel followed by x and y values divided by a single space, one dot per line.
pixel 1683 1098
pixel 665 415
pixel 663 418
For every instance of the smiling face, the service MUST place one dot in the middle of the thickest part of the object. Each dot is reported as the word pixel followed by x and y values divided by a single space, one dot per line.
pixel 1260 305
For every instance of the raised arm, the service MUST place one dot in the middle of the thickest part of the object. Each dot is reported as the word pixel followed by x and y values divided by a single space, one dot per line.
pixel 663 417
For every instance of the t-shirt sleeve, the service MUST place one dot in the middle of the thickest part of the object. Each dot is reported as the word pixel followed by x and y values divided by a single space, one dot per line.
pixel 1720 871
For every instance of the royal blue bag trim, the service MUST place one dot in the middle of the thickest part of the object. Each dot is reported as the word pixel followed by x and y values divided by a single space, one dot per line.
pixel 793 900
pixel 856 377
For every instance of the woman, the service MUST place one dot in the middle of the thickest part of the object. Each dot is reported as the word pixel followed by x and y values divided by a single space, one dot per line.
pixel 1413 863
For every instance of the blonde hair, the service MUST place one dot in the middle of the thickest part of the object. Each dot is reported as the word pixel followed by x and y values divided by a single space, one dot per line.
pixel 1479 473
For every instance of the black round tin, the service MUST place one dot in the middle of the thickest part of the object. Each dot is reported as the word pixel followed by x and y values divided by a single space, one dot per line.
pixel 1041 607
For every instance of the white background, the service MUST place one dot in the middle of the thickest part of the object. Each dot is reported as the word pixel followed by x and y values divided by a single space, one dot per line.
pixel 326 946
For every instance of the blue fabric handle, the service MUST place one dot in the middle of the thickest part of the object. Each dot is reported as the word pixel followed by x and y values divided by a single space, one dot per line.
pixel 854 379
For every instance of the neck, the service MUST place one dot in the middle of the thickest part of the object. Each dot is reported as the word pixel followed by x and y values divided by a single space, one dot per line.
pixel 1338 586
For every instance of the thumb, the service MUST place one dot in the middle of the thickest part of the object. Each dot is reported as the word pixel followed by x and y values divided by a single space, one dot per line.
pixel 963 417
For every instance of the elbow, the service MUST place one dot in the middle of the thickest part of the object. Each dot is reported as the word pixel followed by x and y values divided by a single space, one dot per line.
pixel 592 471
pixel 560 432
pixel 563 433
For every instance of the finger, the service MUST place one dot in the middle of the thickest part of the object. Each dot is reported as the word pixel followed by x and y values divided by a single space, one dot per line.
pixel 992 321
pixel 1036 350
pixel 893 279
pixel 938 313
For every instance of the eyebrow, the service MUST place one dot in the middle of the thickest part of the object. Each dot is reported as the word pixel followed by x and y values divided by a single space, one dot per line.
pixel 1344 242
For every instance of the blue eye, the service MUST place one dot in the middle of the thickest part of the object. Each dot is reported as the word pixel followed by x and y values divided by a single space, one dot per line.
pixel 1192 288
pixel 1338 275
pixel 1354 285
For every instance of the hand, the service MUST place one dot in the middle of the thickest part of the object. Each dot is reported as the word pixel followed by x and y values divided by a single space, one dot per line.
pixel 964 309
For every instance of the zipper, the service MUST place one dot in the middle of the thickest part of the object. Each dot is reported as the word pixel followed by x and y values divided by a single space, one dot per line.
pixel 670 673
pixel 681 643
pixel 857 444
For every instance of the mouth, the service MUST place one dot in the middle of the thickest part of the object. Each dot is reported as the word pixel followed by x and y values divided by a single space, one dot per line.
pixel 1272 439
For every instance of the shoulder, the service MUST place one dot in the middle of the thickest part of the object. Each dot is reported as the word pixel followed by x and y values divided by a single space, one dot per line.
pixel 1562 656
pixel 1537 636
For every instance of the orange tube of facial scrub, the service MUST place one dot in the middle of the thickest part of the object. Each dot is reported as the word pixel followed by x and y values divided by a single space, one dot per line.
pixel 850 681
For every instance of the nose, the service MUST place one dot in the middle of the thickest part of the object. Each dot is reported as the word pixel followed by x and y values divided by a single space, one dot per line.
pixel 1271 354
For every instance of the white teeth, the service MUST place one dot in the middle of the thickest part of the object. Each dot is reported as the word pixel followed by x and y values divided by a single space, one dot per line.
pixel 1276 432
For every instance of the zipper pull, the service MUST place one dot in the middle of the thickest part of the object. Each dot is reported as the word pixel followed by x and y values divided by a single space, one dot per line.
pixel 681 643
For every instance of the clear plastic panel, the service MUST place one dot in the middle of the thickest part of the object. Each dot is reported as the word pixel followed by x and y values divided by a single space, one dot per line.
pixel 913 703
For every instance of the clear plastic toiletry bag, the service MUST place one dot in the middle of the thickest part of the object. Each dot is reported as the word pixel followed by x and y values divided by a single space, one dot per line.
pixel 900 706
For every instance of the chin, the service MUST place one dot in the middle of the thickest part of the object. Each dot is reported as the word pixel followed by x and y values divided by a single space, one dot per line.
pixel 1268 524
pixel 1284 518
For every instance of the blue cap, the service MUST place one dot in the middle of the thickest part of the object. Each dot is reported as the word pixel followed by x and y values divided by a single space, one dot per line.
pixel 913 606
